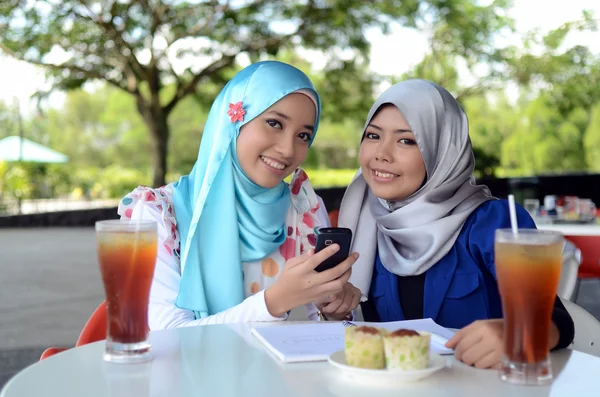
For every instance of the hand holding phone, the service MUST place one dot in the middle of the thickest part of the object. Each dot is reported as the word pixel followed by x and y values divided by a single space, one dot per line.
pixel 333 235
pixel 299 283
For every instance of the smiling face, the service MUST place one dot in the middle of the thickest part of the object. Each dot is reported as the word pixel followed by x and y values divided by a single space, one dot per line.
pixel 275 143
pixel 391 161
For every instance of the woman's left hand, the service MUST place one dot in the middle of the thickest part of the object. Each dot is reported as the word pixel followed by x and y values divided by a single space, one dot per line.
pixel 342 304
pixel 479 344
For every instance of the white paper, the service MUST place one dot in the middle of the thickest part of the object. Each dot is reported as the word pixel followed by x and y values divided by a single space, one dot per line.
pixel 317 341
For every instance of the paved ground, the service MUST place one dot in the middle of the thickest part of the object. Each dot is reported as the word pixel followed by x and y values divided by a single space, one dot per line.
pixel 50 284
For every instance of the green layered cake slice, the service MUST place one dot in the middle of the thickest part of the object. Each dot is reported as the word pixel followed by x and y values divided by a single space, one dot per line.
pixel 364 347
pixel 406 349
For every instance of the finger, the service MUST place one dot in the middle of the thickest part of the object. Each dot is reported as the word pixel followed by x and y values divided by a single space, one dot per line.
pixel 466 343
pixel 355 299
pixel 334 306
pixel 460 334
pixel 491 360
pixel 345 303
pixel 331 298
pixel 346 306
pixel 337 271
pixel 336 285
pixel 316 259
pixel 477 352
pixel 295 261
pixel 321 303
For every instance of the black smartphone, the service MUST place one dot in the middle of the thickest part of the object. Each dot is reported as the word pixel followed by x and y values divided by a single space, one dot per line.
pixel 327 236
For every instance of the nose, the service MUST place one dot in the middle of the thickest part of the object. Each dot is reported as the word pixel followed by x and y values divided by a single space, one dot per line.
pixel 384 152
pixel 285 146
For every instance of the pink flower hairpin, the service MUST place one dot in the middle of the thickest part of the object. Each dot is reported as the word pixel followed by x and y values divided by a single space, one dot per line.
pixel 236 112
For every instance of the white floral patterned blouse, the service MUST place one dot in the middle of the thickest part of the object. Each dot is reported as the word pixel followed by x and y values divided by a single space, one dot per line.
pixel 306 213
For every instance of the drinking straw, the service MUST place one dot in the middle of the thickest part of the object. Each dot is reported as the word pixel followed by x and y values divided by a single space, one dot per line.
pixel 139 220
pixel 513 214
pixel 138 226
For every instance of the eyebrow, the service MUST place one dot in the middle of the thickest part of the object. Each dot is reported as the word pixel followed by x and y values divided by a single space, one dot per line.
pixel 398 130
pixel 286 117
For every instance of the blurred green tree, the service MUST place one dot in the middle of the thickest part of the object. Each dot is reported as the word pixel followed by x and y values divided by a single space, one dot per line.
pixel 569 75
pixel 592 140
pixel 133 44
pixel 8 120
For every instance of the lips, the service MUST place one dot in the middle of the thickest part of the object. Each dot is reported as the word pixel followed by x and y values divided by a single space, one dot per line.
pixel 273 163
pixel 382 174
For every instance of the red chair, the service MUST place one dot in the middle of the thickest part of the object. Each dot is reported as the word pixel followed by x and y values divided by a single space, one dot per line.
pixel 333 217
pixel 93 331
pixel 590 258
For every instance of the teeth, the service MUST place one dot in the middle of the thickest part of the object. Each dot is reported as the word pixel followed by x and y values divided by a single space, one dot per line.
pixel 272 163
pixel 384 174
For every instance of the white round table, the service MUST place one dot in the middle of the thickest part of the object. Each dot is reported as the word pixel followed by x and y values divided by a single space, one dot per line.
pixel 226 360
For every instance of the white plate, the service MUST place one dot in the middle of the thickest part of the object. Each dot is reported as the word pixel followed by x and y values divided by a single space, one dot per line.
pixel 385 376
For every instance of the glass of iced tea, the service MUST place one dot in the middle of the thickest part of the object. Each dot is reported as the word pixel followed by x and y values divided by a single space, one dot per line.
pixel 127 256
pixel 528 266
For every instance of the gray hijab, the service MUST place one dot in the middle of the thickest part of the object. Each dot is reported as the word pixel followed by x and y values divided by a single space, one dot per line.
pixel 412 235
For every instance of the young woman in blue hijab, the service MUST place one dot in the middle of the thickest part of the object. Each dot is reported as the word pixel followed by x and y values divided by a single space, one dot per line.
pixel 424 229
pixel 236 241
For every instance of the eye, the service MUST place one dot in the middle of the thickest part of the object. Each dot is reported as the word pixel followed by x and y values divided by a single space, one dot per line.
pixel 371 135
pixel 407 141
pixel 274 123
pixel 304 136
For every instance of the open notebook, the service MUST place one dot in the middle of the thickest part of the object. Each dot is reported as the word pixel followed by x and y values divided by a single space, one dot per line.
pixel 316 341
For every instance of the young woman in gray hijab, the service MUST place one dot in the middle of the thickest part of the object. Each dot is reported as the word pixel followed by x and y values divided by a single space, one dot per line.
pixel 424 230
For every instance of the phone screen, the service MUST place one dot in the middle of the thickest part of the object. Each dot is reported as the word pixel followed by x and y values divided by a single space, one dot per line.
pixel 329 236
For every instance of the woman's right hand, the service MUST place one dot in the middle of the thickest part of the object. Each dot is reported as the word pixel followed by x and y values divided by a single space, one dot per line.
pixel 299 283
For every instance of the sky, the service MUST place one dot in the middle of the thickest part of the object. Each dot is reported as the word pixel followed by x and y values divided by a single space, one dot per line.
pixel 391 54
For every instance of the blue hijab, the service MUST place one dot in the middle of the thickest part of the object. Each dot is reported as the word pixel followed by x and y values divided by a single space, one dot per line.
pixel 223 218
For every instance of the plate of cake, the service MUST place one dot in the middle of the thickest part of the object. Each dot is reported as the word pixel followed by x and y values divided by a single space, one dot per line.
pixel 378 355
